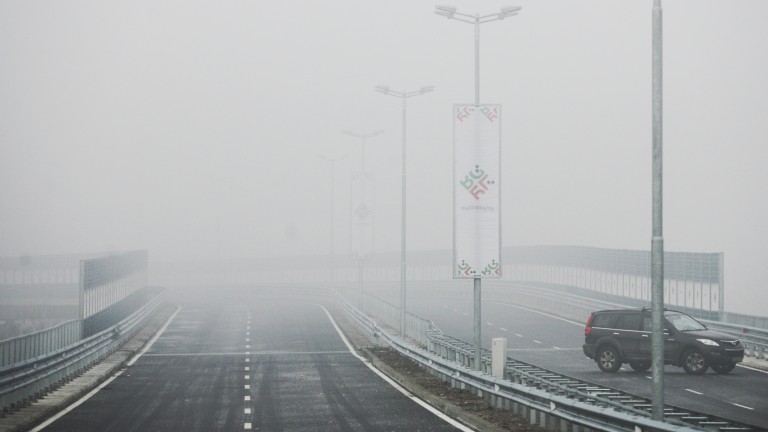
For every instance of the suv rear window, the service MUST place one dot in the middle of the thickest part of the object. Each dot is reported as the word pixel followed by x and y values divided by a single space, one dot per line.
pixel 605 320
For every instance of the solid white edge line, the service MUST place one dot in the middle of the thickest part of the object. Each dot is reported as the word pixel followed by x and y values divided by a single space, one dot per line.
pixel 90 394
pixel 79 402
pixel 751 368
pixel 154 338
pixel 399 388
pixel 543 313
pixel 105 383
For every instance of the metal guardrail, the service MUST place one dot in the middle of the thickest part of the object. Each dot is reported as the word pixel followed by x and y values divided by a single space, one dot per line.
pixel 755 340
pixel 21 348
pixel 30 379
pixel 549 399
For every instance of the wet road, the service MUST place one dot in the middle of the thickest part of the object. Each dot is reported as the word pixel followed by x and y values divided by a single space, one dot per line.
pixel 555 344
pixel 231 362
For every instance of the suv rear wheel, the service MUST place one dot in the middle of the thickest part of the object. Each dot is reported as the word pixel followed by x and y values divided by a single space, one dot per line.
pixel 608 359
pixel 640 366
pixel 694 362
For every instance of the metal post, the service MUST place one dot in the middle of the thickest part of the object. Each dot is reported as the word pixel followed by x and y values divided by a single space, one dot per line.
pixel 721 283
pixel 333 177
pixel 478 323
pixel 477 280
pixel 402 232
pixel 477 59
pixel 362 154
pixel 360 277
pixel 332 260
pixel 657 243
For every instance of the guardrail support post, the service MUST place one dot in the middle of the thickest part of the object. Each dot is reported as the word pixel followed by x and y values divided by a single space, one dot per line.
pixel 499 357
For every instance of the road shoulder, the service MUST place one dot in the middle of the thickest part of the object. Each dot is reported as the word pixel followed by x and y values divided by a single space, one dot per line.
pixel 49 405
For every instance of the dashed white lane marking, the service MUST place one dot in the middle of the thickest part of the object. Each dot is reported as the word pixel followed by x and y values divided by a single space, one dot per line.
pixel 397 386
pixel 518 335
pixel 543 349
pixel 743 406
pixel 489 323
pixel 649 377
pixel 694 392
pixel 239 353
pixel 502 329
pixel 465 314
pixel 247 411
pixel 535 341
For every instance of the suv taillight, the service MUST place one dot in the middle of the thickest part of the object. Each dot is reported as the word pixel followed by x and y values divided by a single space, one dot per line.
pixel 588 328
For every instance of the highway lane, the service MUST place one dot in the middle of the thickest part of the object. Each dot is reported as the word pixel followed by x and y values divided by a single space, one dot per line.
pixel 555 344
pixel 237 362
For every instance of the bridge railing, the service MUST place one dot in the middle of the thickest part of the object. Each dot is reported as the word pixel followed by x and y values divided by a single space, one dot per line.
pixel 22 348
pixel 24 381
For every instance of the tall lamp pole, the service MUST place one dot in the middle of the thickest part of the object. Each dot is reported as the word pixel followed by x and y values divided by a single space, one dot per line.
pixel 363 137
pixel 403 95
pixel 333 176
pixel 450 12
pixel 657 242
pixel 361 259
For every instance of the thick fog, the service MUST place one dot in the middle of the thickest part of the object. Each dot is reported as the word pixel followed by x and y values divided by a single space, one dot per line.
pixel 192 129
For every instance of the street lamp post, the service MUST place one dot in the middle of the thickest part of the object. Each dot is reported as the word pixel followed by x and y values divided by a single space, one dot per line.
pixel 333 176
pixel 361 258
pixel 657 240
pixel 363 137
pixel 403 95
pixel 450 12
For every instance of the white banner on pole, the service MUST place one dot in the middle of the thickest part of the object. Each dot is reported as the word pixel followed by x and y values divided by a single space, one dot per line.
pixel 476 191
pixel 362 217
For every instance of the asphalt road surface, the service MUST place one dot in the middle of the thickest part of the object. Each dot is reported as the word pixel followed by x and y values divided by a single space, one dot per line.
pixel 238 362
pixel 555 344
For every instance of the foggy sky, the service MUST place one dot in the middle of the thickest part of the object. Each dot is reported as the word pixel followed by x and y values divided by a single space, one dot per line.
pixel 192 128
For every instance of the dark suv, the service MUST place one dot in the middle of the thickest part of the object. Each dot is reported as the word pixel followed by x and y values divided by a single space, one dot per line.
pixel 615 337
